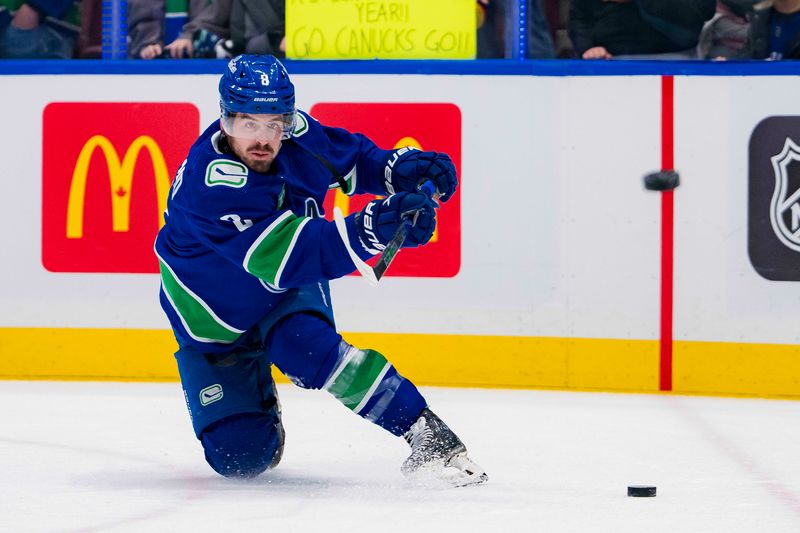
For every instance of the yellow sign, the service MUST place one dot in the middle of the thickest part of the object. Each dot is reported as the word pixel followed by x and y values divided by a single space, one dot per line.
pixel 120 175
pixel 399 29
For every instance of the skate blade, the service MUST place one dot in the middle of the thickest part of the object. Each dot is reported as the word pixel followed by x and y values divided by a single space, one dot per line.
pixel 469 472
pixel 459 471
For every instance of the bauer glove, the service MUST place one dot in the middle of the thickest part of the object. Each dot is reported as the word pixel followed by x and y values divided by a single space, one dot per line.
pixel 377 223
pixel 408 168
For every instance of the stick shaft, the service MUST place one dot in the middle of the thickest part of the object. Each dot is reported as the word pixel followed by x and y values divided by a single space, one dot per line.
pixel 394 246
pixel 391 250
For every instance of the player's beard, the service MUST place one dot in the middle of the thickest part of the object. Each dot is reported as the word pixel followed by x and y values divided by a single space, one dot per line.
pixel 257 156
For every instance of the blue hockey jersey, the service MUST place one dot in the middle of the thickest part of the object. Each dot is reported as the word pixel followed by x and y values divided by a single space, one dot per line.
pixel 234 240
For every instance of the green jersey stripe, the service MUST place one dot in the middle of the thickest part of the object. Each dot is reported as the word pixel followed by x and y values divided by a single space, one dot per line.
pixel 357 377
pixel 289 251
pixel 186 326
pixel 267 256
pixel 348 355
pixel 197 317
pixel 372 388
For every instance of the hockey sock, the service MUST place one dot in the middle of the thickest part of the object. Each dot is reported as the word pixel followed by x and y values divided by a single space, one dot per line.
pixel 309 351
pixel 366 383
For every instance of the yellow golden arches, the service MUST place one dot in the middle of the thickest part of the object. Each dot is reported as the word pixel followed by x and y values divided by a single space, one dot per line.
pixel 408 141
pixel 120 175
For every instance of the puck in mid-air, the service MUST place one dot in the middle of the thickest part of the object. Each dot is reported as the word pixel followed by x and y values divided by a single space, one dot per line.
pixel 641 491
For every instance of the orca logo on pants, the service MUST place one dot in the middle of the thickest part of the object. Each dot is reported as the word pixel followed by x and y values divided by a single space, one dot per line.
pixel 211 394
pixel 774 199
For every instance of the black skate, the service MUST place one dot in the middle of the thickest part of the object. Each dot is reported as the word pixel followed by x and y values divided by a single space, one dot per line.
pixel 437 454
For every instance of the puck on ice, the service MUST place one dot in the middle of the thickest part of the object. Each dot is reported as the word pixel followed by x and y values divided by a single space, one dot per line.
pixel 641 491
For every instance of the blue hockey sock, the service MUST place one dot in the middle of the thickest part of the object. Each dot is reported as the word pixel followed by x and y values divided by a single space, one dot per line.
pixel 313 355
pixel 365 382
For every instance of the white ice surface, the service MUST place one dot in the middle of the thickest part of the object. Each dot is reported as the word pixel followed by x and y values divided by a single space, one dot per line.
pixel 96 457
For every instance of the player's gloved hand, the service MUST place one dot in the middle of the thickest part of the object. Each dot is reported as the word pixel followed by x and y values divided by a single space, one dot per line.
pixel 377 223
pixel 408 168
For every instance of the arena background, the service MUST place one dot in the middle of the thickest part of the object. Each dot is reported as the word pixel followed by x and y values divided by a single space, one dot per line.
pixel 554 268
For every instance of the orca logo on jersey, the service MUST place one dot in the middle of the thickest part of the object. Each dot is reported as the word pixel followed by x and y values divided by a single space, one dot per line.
pixel 226 172
pixel 403 127
pixel 300 125
pixel 106 175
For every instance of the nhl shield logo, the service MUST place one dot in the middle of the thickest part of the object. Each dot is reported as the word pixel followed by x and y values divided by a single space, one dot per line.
pixel 773 218
pixel 785 205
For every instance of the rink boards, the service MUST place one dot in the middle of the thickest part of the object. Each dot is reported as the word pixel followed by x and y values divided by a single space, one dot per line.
pixel 548 274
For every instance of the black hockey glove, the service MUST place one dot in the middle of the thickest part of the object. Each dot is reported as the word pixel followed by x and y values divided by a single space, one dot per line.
pixel 408 168
pixel 377 223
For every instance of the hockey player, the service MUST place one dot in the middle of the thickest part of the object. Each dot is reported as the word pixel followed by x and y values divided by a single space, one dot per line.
pixel 245 258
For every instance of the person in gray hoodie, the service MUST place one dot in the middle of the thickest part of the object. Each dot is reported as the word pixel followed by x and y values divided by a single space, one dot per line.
pixel 219 28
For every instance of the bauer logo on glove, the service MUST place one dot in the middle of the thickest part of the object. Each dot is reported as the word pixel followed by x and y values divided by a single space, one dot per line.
pixel 408 168
pixel 377 223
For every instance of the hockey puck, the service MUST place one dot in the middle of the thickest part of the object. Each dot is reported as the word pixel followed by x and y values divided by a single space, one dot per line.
pixel 641 491
pixel 664 180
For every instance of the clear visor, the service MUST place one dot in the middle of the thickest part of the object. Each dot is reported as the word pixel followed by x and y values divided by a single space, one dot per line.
pixel 264 127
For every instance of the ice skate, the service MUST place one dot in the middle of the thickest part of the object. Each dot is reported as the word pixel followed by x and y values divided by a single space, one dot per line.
pixel 438 455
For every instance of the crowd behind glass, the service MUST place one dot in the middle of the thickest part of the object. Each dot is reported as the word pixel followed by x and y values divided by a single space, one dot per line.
pixel 555 29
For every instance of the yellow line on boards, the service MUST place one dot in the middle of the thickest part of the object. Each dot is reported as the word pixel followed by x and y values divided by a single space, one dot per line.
pixel 613 365
pixel 767 370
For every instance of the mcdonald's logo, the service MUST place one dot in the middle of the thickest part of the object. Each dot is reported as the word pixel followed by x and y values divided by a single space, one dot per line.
pixel 107 169
pixel 120 177
pixel 428 126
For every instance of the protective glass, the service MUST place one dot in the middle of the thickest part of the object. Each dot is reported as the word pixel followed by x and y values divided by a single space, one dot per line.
pixel 268 127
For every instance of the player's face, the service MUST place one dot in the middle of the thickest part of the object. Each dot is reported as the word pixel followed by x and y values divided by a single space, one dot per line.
pixel 255 139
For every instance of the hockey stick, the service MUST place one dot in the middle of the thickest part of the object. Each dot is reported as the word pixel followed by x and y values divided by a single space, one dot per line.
pixel 400 235
pixel 374 275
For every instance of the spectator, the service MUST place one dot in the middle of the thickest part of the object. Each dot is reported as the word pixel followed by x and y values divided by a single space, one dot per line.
pixel 557 15
pixel 602 29
pixel 221 28
pixel 492 29
pixel 34 32
pixel 490 40
pixel 726 36
pixel 147 26
pixel 775 30
pixel 90 37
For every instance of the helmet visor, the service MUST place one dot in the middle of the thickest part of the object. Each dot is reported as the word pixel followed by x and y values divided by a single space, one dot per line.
pixel 265 127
